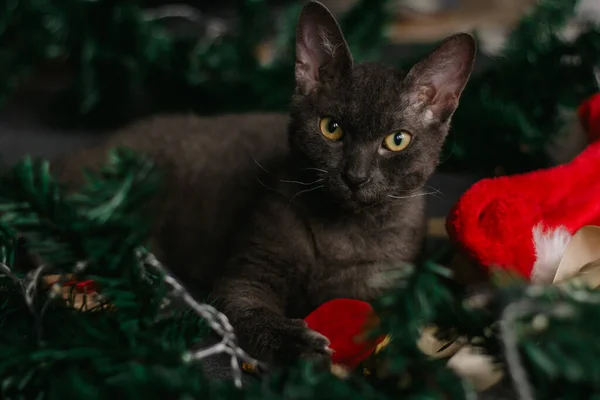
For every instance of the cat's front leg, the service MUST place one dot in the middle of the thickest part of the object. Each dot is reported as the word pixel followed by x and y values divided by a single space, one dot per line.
pixel 256 311
pixel 364 281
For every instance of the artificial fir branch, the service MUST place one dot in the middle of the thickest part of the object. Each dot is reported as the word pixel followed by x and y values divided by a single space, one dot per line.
pixel 422 293
pixel 109 200
pixel 539 38
pixel 100 224
pixel 30 202
pixel 550 340
pixel 114 342
pixel 137 349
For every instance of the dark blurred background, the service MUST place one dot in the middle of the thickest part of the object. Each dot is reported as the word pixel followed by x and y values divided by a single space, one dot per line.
pixel 417 24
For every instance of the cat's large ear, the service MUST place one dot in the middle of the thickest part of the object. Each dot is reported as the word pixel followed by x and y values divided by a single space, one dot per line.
pixel 322 54
pixel 437 81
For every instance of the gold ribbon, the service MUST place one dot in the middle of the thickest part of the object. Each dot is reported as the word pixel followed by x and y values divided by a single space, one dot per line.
pixel 431 346
pixel 383 344
pixel 249 367
pixel 581 259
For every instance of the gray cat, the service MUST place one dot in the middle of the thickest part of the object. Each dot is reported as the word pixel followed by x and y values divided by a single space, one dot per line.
pixel 273 225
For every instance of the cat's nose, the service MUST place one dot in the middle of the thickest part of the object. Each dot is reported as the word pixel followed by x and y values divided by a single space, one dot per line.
pixel 355 179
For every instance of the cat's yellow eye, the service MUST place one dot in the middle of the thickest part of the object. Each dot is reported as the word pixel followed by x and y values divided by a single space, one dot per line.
pixel 330 128
pixel 397 141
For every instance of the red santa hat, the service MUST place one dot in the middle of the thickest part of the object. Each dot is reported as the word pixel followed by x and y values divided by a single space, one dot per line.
pixel 525 222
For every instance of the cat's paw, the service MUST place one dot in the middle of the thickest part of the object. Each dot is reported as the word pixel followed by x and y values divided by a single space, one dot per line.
pixel 300 342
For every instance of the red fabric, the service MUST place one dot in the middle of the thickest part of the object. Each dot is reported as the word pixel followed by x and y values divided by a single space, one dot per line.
pixel 342 321
pixel 494 219
pixel 589 115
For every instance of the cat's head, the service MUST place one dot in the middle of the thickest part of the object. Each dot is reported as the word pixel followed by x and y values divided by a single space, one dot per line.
pixel 376 131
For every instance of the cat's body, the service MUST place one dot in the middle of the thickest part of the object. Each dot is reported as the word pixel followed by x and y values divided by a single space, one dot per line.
pixel 217 184
pixel 274 224
pixel 213 174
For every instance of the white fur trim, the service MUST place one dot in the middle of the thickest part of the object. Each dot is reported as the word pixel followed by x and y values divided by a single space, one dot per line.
pixel 550 245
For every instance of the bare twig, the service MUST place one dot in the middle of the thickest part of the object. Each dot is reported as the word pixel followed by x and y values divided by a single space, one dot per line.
pixel 217 321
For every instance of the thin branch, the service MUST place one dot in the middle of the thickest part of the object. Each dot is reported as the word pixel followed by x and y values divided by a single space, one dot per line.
pixel 217 321
pixel 508 335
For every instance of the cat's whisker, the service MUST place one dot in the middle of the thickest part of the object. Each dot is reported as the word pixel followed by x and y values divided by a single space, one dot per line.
pixel 302 183
pixel 434 192
pixel 267 187
pixel 432 188
pixel 305 191
pixel 411 196
pixel 315 169
pixel 260 166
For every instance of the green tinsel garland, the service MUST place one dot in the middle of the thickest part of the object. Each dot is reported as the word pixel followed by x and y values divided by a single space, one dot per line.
pixel 138 348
